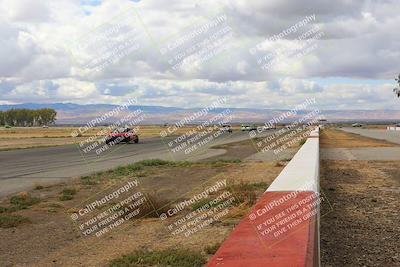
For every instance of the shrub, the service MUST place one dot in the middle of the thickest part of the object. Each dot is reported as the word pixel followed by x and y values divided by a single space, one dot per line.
pixel 89 180
pixel 255 186
pixel 221 162
pixel 302 142
pixel 3 209
pixel 67 194
pixel 8 220
pixel 23 201
pixel 200 203
pixel 279 164
pixel 69 191
pixel 248 197
pixel 154 162
pixel 66 197
pixel 134 169
pixel 204 201
pixel 244 193
pixel 212 248
pixel 169 257
pixel 153 206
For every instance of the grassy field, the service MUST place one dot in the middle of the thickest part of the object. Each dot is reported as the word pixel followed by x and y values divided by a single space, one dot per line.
pixel 27 137
pixel 333 138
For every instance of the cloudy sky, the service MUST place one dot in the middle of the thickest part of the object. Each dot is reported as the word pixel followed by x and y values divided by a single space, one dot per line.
pixel 257 53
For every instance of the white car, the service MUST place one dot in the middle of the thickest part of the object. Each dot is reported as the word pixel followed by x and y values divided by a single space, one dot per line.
pixel 356 125
pixel 248 127
pixel 264 128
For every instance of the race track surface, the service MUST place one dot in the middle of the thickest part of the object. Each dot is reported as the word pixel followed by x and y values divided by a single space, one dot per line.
pixel 25 168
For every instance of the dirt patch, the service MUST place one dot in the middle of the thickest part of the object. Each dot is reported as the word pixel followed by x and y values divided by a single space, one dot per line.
pixel 332 138
pixel 235 151
pixel 51 238
pixel 363 228
pixel 243 149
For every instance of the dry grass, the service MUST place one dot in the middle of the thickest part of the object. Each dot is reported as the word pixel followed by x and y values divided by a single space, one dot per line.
pixel 50 218
pixel 331 138
pixel 362 228
pixel 169 257
pixel 28 137
pixel 60 132
pixel 10 220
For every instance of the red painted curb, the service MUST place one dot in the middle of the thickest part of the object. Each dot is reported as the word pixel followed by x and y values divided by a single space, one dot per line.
pixel 280 235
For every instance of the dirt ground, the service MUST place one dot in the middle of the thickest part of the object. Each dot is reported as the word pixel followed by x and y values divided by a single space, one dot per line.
pixel 246 148
pixel 333 138
pixel 238 150
pixel 51 239
pixel 361 226
pixel 363 229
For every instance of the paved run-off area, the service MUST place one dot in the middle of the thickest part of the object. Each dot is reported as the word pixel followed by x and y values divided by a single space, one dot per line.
pixel 381 134
pixel 361 227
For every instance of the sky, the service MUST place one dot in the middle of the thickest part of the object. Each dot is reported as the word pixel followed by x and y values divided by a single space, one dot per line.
pixel 256 53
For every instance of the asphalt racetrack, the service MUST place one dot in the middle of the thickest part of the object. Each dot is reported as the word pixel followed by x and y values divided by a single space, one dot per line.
pixel 23 169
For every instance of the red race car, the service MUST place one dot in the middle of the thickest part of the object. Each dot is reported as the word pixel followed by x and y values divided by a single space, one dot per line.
pixel 122 135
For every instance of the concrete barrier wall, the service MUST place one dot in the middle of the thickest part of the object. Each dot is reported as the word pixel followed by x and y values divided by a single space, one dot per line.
pixel 283 227
pixel 302 172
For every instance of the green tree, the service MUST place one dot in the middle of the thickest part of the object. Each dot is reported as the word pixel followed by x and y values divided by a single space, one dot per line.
pixel 47 115
pixel 28 117
pixel 1 118
pixel 9 117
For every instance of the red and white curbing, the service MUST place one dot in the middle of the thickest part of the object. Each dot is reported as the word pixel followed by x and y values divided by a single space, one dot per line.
pixel 283 228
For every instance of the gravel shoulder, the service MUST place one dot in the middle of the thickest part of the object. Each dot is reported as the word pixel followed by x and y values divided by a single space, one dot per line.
pixel 360 227
pixel 363 228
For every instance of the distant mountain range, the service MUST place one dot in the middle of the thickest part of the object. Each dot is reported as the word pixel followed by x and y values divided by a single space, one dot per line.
pixel 68 113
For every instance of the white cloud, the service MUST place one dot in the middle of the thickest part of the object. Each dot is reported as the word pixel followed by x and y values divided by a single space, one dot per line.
pixel 359 42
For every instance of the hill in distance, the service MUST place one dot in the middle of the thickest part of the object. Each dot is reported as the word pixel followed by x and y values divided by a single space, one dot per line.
pixel 69 113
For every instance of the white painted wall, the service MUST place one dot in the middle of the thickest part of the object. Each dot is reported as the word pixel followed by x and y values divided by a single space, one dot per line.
pixel 302 172
pixel 392 128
